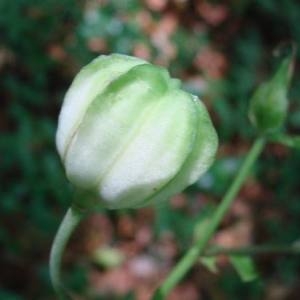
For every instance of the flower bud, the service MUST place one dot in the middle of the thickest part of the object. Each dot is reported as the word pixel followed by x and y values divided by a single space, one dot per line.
pixel 269 104
pixel 127 131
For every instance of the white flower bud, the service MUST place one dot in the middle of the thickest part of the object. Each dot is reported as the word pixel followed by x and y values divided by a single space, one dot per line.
pixel 127 131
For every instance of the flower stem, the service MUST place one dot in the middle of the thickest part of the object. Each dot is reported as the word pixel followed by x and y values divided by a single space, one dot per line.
pixel 195 251
pixel 67 226
pixel 254 250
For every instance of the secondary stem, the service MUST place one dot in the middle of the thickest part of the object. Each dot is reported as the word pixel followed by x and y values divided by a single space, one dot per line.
pixel 194 252
pixel 254 250
pixel 71 220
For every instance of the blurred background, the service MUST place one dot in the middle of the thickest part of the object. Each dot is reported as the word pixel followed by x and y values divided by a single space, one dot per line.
pixel 221 50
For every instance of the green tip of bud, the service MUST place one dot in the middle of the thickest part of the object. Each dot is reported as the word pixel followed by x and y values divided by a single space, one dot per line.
pixel 269 104
pixel 129 133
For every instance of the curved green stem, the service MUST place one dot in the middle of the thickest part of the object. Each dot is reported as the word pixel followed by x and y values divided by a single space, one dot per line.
pixel 192 255
pixel 67 226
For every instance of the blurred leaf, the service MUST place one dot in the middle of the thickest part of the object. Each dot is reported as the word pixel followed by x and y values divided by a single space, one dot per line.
pixel 108 257
pixel 287 140
pixel 210 263
pixel 6 295
pixel 244 266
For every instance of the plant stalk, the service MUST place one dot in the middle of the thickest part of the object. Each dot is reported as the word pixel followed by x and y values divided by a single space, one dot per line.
pixel 254 250
pixel 198 248
pixel 72 218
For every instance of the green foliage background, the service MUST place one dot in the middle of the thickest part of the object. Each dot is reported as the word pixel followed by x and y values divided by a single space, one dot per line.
pixel 43 44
